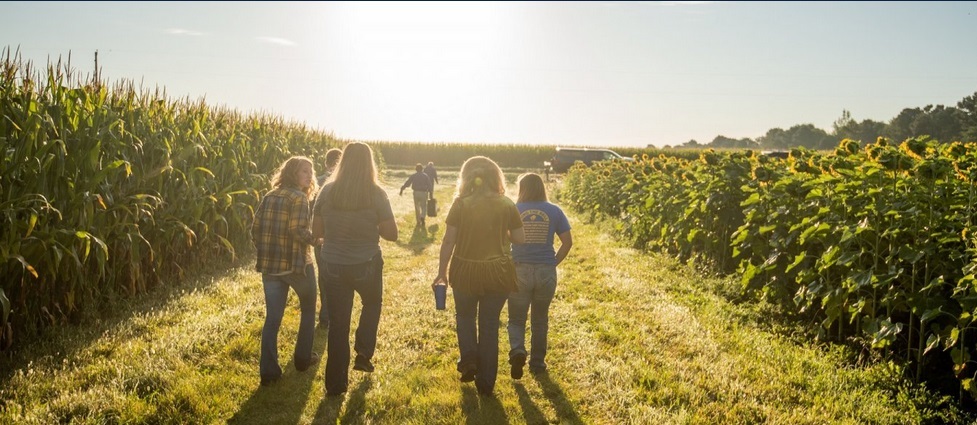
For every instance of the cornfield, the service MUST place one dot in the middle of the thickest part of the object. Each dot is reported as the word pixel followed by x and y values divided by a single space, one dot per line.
pixel 105 190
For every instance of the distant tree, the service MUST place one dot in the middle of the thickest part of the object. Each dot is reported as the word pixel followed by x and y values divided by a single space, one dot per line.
pixel 942 123
pixel 901 127
pixel 809 136
pixel 968 109
pixel 775 139
pixel 866 131
pixel 726 142
pixel 691 144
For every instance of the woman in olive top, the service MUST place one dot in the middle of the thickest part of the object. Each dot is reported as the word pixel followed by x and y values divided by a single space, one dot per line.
pixel 351 214
pixel 480 225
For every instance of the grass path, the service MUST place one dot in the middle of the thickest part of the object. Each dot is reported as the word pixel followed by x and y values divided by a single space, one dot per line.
pixel 634 338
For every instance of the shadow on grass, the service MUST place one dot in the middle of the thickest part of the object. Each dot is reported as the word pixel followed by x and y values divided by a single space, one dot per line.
pixel 330 406
pixel 530 411
pixel 481 409
pixel 565 413
pixel 284 401
pixel 64 340
pixel 420 239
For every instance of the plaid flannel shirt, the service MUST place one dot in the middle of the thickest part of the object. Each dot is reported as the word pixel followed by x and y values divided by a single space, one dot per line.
pixel 282 232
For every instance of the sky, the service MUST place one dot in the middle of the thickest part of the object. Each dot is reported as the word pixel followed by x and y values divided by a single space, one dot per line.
pixel 627 74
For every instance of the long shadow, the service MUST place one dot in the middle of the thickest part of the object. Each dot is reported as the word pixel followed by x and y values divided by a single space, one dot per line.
pixel 420 239
pixel 64 341
pixel 330 406
pixel 284 401
pixel 530 411
pixel 481 409
pixel 565 412
pixel 356 403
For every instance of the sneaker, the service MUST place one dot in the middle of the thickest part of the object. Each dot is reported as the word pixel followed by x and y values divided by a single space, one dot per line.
pixel 362 364
pixel 537 370
pixel 468 373
pixel 299 366
pixel 517 361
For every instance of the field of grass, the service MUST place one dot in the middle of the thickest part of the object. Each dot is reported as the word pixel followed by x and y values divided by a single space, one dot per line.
pixel 634 338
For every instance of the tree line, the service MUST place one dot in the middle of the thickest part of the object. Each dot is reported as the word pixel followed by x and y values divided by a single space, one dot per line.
pixel 948 123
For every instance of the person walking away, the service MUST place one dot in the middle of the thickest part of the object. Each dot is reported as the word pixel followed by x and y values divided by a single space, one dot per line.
pixel 536 264
pixel 431 173
pixel 283 241
pixel 421 184
pixel 332 160
pixel 351 214
pixel 480 227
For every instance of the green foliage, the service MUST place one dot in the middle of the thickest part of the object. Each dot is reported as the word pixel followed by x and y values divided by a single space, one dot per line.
pixel 633 338
pixel 876 243
pixel 104 190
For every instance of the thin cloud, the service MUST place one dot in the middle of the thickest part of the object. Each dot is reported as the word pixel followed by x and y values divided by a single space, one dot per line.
pixel 181 31
pixel 276 40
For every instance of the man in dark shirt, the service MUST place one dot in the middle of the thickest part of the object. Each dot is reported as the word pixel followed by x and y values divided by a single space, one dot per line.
pixel 423 187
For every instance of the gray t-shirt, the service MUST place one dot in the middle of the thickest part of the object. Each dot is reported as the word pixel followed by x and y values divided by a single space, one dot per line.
pixel 352 237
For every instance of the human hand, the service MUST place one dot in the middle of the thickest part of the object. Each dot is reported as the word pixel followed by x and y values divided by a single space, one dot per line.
pixel 439 280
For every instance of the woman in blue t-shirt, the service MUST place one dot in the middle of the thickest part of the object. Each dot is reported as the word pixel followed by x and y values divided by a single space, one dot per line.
pixel 536 264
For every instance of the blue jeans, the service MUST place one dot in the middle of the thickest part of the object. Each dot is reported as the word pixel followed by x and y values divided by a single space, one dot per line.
pixel 323 306
pixel 537 286
pixel 479 344
pixel 341 281
pixel 276 296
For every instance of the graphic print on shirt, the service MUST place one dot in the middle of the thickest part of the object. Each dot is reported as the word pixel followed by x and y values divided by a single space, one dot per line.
pixel 536 224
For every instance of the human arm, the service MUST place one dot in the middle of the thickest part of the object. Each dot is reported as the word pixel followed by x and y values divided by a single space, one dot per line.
pixel 517 235
pixel 566 242
pixel 299 224
pixel 407 183
pixel 386 223
pixel 447 247
pixel 388 230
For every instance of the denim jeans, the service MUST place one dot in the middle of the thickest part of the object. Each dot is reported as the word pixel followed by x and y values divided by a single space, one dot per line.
pixel 342 280
pixel 479 344
pixel 276 296
pixel 323 305
pixel 537 286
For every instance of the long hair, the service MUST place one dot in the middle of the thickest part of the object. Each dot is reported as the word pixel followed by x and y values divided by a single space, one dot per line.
pixel 531 188
pixel 288 175
pixel 355 179
pixel 479 176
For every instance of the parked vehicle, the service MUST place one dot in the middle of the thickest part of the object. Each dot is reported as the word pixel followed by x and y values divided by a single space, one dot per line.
pixel 566 157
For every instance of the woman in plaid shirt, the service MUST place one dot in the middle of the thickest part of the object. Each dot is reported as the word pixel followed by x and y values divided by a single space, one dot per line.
pixel 283 239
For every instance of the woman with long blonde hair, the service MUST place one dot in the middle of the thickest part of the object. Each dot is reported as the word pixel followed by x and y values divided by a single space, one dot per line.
pixel 351 214
pixel 283 240
pixel 480 227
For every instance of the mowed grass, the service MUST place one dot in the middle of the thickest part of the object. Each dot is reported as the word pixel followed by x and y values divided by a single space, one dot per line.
pixel 634 338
